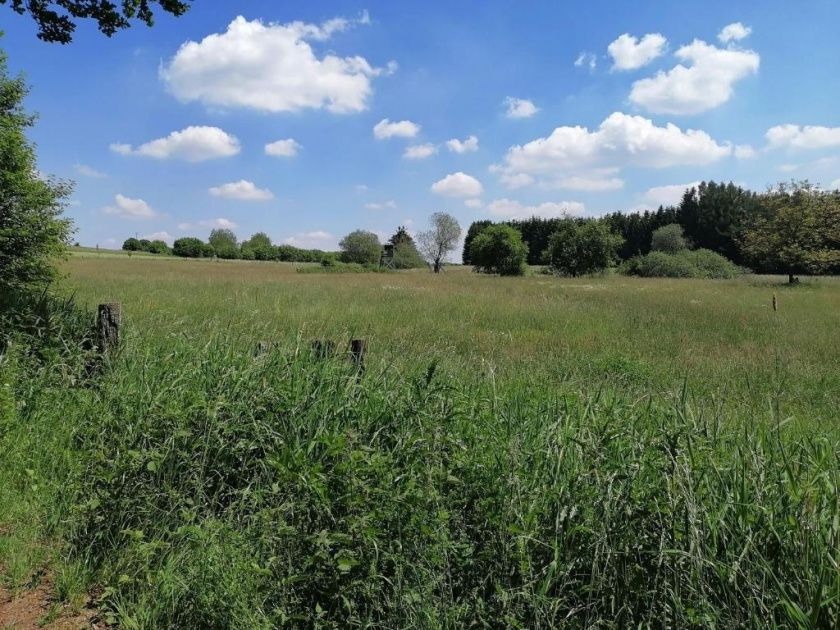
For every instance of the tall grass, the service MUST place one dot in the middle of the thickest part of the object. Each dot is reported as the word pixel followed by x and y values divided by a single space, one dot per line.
pixel 200 486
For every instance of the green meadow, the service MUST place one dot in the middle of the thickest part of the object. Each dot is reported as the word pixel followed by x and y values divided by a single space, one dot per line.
pixel 520 452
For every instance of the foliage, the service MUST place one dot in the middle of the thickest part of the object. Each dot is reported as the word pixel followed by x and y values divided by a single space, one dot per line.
pixel 669 239
pixel 636 228
pixel 581 247
pixel 438 242
pixel 713 216
pixel 156 246
pixel 224 243
pixel 499 249
pixel 474 230
pixel 406 255
pixel 33 233
pixel 362 247
pixel 55 18
pixel 191 247
pixel 699 263
pixel 258 247
pixel 797 231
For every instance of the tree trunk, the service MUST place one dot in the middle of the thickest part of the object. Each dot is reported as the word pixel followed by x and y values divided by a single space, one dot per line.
pixel 792 279
pixel 437 265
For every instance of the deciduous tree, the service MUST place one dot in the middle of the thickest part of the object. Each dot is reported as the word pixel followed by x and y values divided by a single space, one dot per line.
pixel 441 240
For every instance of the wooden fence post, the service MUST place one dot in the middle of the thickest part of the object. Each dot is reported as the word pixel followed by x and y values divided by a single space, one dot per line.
pixel 108 325
pixel 775 303
pixel 358 348
pixel 323 349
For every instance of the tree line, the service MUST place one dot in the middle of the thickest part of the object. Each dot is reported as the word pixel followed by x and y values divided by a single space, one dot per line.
pixel 793 228
pixel 360 247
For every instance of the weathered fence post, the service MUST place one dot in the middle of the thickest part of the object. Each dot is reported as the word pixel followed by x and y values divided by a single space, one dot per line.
pixel 775 303
pixel 358 348
pixel 108 324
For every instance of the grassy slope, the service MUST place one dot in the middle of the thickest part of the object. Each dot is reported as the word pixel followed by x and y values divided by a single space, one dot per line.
pixel 550 469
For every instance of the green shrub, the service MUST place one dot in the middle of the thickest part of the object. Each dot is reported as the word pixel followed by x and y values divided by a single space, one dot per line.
pixel 499 249
pixel 361 247
pixel 581 247
pixel 700 263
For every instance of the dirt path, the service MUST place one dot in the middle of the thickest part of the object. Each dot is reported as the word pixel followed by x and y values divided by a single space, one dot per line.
pixel 33 609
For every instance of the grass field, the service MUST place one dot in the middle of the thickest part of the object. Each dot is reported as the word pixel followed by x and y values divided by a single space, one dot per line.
pixel 524 452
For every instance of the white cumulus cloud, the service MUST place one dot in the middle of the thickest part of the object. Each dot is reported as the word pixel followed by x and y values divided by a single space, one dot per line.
pixel 734 32
pixel 575 157
pixel 129 208
pixel 283 148
pixel 744 151
pixel 510 209
pixel 242 190
pixel 669 195
pixel 802 137
pixel 458 185
pixel 705 83
pixel 419 151
pixel 193 144
pixel 159 236
pixel 520 107
pixel 385 129
pixel 462 146
pixel 271 67
pixel 630 53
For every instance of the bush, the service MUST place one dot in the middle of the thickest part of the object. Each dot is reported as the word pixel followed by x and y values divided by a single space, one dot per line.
pixel 669 239
pixel 700 263
pixel 499 249
pixel 190 247
pixel 361 247
pixel 581 247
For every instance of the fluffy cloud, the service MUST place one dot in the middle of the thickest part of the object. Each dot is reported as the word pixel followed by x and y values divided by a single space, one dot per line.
pixel 242 190
pixel 193 144
pixel 387 205
pixel 734 32
pixel 458 185
pixel 317 239
pixel 462 146
pixel 705 83
pixel 799 137
pixel 283 148
pixel 129 208
pixel 669 195
pixel 587 59
pixel 419 151
pixel 270 67
pixel 520 108
pixel 575 157
pixel 472 203
pixel 744 151
pixel 385 129
pixel 630 53
pixel 510 209
pixel 88 171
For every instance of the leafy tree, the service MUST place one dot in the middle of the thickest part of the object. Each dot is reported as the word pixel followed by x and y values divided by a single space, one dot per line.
pixel 191 247
pixel 361 246
pixel 131 245
pixel 55 18
pixel 437 243
pixel 713 216
pixel 581 247
pixel 158 246
pixel 499 249
pixel 797 231
pixel 636 228
pixel 260 245
pixel 474 230
pixel 224 243
pixel 406 255
pixel 32 231
pixel 669 239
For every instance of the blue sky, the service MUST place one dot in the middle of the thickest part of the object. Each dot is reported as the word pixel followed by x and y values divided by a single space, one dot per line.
pixel 572 107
